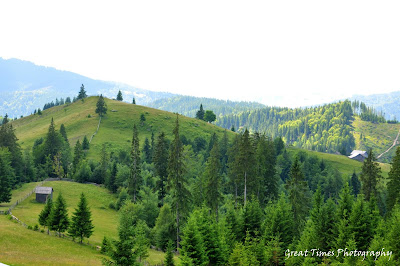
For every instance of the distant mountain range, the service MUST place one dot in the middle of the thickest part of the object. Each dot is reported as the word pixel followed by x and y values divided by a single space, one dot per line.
pixel 25 87
pixel 389 103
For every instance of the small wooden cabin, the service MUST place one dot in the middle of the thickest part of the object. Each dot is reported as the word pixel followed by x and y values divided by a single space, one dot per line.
pixel 43 193
pixel 358 155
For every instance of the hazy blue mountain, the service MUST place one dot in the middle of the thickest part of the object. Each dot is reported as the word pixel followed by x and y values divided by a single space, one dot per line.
pixel 189 105
pixel 25 87
pixel 389 103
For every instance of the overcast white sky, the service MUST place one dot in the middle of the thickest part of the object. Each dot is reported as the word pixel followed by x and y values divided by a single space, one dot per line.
pixel 276 52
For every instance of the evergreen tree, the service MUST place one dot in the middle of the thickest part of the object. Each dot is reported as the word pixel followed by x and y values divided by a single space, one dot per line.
pixel 213 180
pixel 39 112
pixel 200 113
pixel 5 119
pixel 147 151
pixel 82 93
pixel 393 234
pixel 63 133
pixel 142 119
pixel 133 100
pixel 193 250
pixel 6 173
pixel 233 129
pixel 142 243
pixel 53 142
pixel 111 184
pixel 135 179
pixel 370 176
pixel 81 224
pixel 355 183
pixel 58 220
pixel 298 195
pixel 169 256
pixel 119 96
pixel 176 179
pixel 160 160
pixel 360 223
pixel 45 213
pixel 78 155
pixel 245 165
pixel 164 230
pixel 105 246
pixel 9 140
pixel 68 100
pixel 101 106
pixel 393 184
pixel 85 143
pixel 252 218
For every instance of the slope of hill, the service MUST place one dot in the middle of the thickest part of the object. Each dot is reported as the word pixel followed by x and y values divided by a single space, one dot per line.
pixel 116 127
pixel 25 86
pixel 189 105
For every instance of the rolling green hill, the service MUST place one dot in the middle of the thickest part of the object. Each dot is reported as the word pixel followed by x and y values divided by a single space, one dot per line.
pixel 22 246
pixel 116 127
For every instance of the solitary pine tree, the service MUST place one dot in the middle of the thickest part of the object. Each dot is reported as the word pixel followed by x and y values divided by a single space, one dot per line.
pixel 85 143
pixel 177 182
pixel 58 220
pixel 39 112
pixel 135 179
pixel 370 176
pixel 298 195
pixel 160 160
pixel 81 225
pixel 394 182
pixel 101 106
pixel 82 93
pixel 45 214
pixel 213 179
pixel 119 96
pixel 5 119
pixel 133 100
pixel 200 113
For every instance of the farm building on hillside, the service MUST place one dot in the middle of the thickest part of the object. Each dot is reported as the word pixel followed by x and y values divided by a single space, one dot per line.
pixel 358 155
pixel 43 193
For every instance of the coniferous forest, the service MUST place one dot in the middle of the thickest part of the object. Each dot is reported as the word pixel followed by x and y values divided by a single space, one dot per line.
pixel 246 200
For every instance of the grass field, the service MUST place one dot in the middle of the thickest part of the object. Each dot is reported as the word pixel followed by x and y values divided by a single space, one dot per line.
pixel 379 137
pixel 18 194
pixel 105 220
pixel 116 127
pixel 20 246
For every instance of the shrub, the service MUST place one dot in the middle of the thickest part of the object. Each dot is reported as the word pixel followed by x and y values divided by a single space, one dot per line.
pixel 36 227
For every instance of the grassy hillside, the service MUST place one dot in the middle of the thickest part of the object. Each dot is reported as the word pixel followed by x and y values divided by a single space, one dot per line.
pixel 378 136
pixel 105 222
pixel 116 127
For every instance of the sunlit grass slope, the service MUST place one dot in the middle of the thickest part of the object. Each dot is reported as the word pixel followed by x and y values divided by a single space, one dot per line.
pixel 116 127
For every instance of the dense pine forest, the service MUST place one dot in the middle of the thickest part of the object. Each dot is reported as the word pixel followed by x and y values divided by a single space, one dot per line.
pixel 217 201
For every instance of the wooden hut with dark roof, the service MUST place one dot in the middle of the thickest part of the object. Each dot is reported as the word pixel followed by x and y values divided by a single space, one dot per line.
pixel 43 193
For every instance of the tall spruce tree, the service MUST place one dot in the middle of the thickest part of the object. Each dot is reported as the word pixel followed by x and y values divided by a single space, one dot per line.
pixel 177 182
pixel 393 184
pixel 298 195
pixel 147 151
pixel 63 133
pixel 370 176
pixel 44 216
pixel 81 222
pixel 135 179
pixel 82 93
pixel 9 140
pixel 119 96
pixel 85 143
pixel 53 142
pixel 355 183
pixel 5 119
pixel 200 113
pixel 6 173
pixel 213 179
pixel 78 155
pixel 101 106
pixel 245 161
pixel 58 220
pixel 133 100
pixel 160 160
pixel 111 184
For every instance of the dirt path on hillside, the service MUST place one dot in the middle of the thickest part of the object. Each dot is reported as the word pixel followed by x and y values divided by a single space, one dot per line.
pixel 99 127
pixel 394 144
